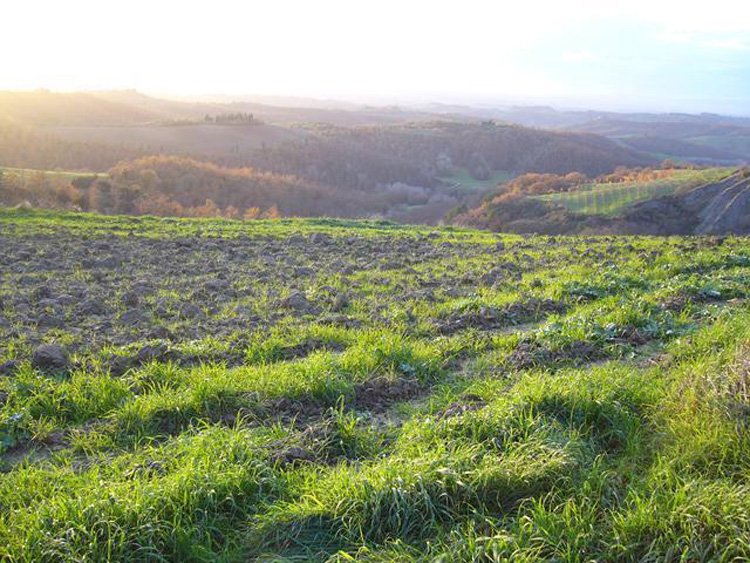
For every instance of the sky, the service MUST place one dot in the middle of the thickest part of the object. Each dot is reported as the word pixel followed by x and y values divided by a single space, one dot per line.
pixel 658 55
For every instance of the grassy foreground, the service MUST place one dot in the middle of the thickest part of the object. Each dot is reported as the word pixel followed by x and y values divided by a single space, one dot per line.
pixel 328 390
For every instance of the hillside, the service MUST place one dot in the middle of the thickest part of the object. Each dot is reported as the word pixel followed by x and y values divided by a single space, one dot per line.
pixel 323 390
pixel 612 198
pixel 693 151
pixel 704 138
pixel 196 138
pixel 419 154
pixel 712 201
pixel 24 146
pixel 411 171
pixel 159 184
pixel 43 107
pixel 695 140
pixel 178 186
pixel 132 108
pixel 720 208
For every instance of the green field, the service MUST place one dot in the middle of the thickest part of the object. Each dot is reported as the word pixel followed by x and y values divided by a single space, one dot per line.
pixel 325 390
pixel 612 199
pixel 64 174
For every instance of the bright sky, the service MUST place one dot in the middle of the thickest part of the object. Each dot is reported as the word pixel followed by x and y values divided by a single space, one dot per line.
pixel 683 55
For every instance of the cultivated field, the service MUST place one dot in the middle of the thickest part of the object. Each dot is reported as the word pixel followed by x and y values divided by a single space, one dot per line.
pixel 611 199
pixel 188 390
pixel 64 175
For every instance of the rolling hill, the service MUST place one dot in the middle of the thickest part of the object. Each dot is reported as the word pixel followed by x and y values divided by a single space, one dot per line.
pixel 612 198
pixel 699 138
pixel 402 167
pixel 713 201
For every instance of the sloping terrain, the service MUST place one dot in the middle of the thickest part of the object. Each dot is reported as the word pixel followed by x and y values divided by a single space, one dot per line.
pixel 409 149
pixel 677 205
pixel 43 107
pixel 716 208
pixel 414 171
pixel 693 138
pixel 187 390
pixel 700 138
pixel 23 146
pixel 191 139
pixel 421 153
pixel 688 150
pixel 612 198
pixel 284 111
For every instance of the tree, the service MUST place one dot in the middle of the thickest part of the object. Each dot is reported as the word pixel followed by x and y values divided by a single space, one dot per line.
pixel 251 213
pixel 208 209
pixel 100 197
pixel 272 212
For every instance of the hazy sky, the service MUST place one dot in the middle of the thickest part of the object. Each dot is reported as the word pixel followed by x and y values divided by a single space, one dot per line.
pixel 654 54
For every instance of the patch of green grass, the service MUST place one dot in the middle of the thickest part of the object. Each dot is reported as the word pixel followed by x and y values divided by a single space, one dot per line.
pixel 433 395
pixel 64 174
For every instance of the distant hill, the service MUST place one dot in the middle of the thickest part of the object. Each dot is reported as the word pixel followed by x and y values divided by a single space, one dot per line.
pixel 673 129
pixel 680 149
pixel 700 138
pixel 129 107
pixel 53 108
pixel 195 138
pixel 402 164
pixel 421 153
pixel 23 146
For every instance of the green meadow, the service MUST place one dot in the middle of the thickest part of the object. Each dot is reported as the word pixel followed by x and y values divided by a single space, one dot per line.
pixel 326 390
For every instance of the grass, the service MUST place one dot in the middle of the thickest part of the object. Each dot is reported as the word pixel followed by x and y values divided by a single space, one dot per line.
pixel 476 397
pixel 612 199
pixel 63 174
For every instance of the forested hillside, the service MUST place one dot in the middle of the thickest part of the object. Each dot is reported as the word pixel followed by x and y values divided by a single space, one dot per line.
pixel 185 187
pixel 419 153
pixel 165 157
pixel 178 186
